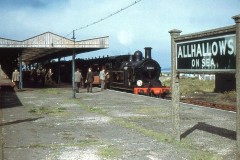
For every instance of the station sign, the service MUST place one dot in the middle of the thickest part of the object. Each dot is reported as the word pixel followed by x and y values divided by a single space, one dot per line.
pixel 209 54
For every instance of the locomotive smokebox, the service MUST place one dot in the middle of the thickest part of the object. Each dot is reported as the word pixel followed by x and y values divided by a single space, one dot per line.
pixel 148 54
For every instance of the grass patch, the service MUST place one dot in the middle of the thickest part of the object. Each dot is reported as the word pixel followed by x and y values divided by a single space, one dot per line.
pixel 148 110
pixel 87 108
pixel 96 110
pixel 200 155
pixel 48 110
pixel 189 86
pixel 227 96
pixel 87 142
pixel 51 91
pixel 81 143
pixel 146 132
pixel 204 90
pixel 196 154
pixel 110 152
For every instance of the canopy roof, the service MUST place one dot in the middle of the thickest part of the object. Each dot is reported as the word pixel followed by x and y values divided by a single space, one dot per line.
pixel 48 46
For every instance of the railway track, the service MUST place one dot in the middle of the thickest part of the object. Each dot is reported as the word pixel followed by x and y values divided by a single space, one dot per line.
pixel 209 104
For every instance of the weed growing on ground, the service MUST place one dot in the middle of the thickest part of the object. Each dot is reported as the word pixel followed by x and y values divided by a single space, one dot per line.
pixel 96 110
pixel 147 110
pixel 189 86
pixel 48 110
pixel 51 91
pixel 109 152
pixel 227 96
pixel 196 154
pixel 80 143
pixel 88 108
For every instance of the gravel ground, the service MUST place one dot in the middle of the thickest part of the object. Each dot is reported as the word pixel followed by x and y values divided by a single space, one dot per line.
pixel 47 124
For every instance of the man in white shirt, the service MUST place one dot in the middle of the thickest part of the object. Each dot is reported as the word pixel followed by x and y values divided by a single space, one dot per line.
pixel 15 78
pixel 102 76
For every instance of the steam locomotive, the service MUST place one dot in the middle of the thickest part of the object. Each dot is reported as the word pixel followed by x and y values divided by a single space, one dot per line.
pixel 126 72
pixel 141 75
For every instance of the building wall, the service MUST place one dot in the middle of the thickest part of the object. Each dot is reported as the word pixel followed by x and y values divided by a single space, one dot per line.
pixel 225 82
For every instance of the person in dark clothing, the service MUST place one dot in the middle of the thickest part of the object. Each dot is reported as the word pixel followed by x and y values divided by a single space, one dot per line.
pixel 48 77
pixel 78 79
pixel 89 80
pixel 42 74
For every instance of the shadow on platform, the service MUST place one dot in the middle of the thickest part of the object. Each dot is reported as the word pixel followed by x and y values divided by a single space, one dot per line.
pixel 32 84
pixel 20 121
pixel 8 97
pixel 211 129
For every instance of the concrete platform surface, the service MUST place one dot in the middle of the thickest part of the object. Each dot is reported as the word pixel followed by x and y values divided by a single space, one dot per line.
pixel 47 124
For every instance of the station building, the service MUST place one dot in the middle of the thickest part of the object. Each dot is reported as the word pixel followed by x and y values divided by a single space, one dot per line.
pixel 42 48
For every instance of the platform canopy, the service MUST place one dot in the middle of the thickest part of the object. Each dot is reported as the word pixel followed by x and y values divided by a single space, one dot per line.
pixel 49 46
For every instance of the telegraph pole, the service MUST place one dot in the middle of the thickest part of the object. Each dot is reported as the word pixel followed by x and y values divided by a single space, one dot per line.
pixel 20 71
pixel 73 67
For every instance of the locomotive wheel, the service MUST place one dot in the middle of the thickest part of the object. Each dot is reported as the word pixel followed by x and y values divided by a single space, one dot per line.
pixel 141 92
pixel 163 95
pixel 151 94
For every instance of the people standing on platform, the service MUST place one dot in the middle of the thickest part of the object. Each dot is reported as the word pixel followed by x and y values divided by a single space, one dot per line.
pixel 48 77
pixel 43 73
pixel 77 80
pixel 89 80
pixel 102 77
pixel 38 75
pixel 16 78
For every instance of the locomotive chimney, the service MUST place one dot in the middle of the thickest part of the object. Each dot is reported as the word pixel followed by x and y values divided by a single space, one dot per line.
pixel 148 53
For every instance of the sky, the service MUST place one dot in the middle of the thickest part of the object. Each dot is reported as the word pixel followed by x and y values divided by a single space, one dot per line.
pixel 145 24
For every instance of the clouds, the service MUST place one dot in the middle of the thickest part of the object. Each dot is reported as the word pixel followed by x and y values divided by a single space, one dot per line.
pixel 125 37
pixel 23 3
pixel 144 24
pixel 21 19
pixel 35 4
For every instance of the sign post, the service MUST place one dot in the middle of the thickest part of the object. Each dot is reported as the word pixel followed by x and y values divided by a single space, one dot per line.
pixel 20 70
pixel 237 21
pixel 213 51
pixel 175 86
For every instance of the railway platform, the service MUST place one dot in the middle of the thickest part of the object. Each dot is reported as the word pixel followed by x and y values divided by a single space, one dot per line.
pixel 48 124
pixel 4 79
